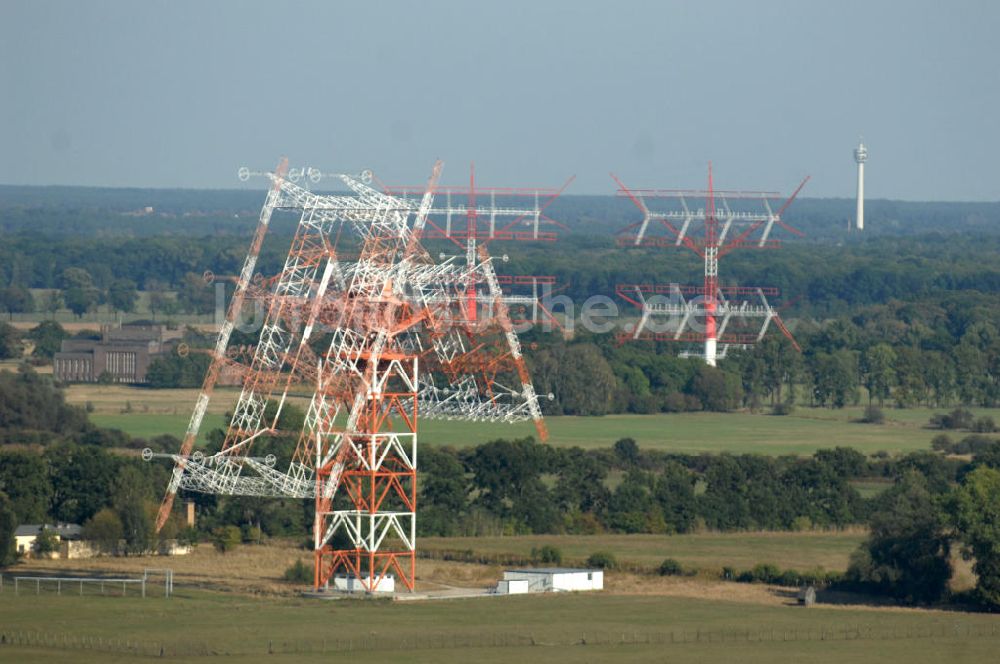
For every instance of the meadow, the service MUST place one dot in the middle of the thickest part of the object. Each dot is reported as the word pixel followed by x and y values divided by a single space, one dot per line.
pixel 601 627
pixel 704 551
pixel 257 569
pixel 146 413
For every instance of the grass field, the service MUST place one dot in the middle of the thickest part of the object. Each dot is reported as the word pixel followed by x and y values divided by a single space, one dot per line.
pixel 146 413
pixel 259 568
pixel 201 626
pixel 799 551
pixel 808 429
pixel 234 607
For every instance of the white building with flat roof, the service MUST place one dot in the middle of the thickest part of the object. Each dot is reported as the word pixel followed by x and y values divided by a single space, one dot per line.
pixel 550 579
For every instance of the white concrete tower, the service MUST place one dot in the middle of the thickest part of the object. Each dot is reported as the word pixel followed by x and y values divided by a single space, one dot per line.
pixel 860 155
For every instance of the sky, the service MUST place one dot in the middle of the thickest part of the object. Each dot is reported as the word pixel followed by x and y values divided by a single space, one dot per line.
pixel 183 93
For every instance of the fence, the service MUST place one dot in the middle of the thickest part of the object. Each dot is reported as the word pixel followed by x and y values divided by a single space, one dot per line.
pixel 662 639
pixel 94 585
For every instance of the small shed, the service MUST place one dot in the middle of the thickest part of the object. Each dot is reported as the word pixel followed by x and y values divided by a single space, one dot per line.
pixel 552 579
pixel 352 584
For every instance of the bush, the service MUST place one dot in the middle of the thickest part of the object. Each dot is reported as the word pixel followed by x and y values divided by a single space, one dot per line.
pixel 226 538
pixel 783 409
pixel 105 530
pixel 984 425
pixel 873 415
pixel 960 418
pixel 761 573
pixel 602 560
pixel 942 443
pixel 972 444
pixel 766 573
pixel 789 578
pixel 299 573
pixel 802 524
pixel 671 567
pixel 674 403
pixel 252 535
pixel 46 542
pixel 547 554
pixel 188 535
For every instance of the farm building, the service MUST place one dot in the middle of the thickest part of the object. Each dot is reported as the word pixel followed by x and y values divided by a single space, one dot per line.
pixel 549 579
pixel 69 543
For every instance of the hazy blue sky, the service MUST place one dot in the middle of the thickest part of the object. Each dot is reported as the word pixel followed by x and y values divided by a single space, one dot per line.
pixel 182 93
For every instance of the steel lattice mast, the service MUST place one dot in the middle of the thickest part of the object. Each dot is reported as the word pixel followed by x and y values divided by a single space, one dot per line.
pixel 670 218
pixel 512 214
pixel 401 342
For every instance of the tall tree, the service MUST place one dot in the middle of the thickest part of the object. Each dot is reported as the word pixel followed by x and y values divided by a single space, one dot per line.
pixel 877 367
pixel 24 479
pixel 834 377
pixel 48 337
pixel 674 491
pixel 104 529
pixel 122 295
pixel 80 293
pixel 82 480
pixel 508 477
pixel 580 485
pixel 132 491
pixel 195 295
pixel 11 345
pixel 907 552
pixel 159 298
pixel 52 301
pixel 976 507
pixel 16 300
pixel 8 524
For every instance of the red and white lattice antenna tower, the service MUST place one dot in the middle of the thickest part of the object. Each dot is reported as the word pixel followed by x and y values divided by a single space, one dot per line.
pixel 390 320
pixel 219 353
pixel 718 317
pixel 491 215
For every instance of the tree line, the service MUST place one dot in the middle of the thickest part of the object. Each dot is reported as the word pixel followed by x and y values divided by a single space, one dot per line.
pixel 886 355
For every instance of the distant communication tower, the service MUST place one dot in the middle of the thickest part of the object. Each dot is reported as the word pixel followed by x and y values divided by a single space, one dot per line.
pixel 860 156
pixel 717 317
pixel 367 343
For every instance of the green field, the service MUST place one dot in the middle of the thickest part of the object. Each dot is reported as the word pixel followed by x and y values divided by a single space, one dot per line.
pixel 148 425
pixel 802 433
pixel 799 551
pixel 563 628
